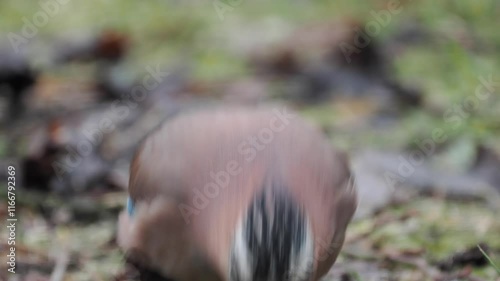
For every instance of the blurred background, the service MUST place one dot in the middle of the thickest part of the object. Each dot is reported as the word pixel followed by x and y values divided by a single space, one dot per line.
pixel 409 88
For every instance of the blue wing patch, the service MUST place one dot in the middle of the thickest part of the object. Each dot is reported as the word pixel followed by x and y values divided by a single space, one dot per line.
pixel 130 207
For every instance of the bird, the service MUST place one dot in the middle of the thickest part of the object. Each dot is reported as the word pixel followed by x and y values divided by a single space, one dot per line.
pixel 237 194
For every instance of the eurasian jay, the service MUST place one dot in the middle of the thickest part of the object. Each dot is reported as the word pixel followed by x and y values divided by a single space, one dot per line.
pixel 237 195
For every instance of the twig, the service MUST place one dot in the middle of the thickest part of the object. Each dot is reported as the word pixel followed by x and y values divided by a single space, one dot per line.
pixel 489 259
pixel 61 265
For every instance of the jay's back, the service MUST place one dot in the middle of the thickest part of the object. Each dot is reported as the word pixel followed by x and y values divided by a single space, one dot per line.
pixel 238 195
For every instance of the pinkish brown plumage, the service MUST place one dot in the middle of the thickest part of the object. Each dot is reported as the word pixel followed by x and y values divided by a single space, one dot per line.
pixel 238 195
